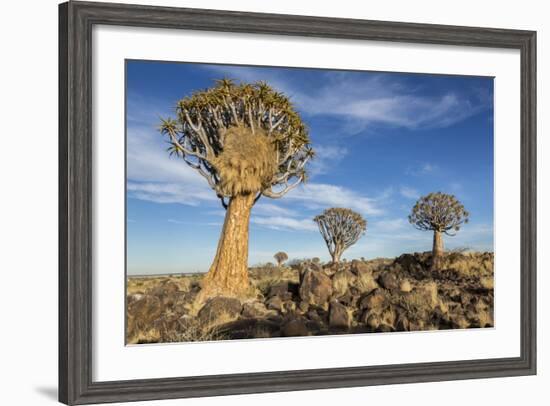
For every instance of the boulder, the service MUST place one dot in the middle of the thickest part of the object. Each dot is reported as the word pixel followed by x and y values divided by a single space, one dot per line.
pixel 185 302
pixel 365 282
pixel 375 301
pixel 288 306
pixel 303 306
pixel 275 303
pixel 219 310
pixel 313 327
pixel 279 289
pixel 145 310
pixel 256 310
pixel 388 316
pixel 358 267
pixel 384 328
pixel 338 316
pixel 134 298
pixel 348 299
pixel 341 281
pixel 315 288
pixel 303 268
pixel 388 280
pixel 314 316
pixel 294 327
pixel 402 323
pixel 429 294
pixel 405 286
pixel 170 300
pixel 371 320
pixel 410 263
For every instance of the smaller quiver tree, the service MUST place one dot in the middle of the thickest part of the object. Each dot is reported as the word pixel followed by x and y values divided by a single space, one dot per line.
pixel 442 214
pixel 280 257
pixel 340 228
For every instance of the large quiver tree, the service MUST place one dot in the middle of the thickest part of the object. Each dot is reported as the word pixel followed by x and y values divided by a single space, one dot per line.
pixel 247 141
pixel 440 213
pixel 340 228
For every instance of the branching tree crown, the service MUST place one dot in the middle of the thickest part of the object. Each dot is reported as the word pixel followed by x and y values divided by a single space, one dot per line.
pixel 243 138
pixel 340 228
pixel 439 212
pixel 280 257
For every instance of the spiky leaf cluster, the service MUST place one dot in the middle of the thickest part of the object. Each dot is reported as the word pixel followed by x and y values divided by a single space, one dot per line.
pixel 439 212
pixel 340 228
pixel 205 125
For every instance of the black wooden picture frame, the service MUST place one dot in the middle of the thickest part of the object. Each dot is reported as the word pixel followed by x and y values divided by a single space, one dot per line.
pixel 76 20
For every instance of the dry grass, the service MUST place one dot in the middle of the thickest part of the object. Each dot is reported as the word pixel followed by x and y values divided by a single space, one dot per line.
pixel 262 279
pixel 460 295
pixel 469 264
pixel 247 163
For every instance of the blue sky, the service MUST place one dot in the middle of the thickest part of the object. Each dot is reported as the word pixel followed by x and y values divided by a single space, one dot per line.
pixel 381 139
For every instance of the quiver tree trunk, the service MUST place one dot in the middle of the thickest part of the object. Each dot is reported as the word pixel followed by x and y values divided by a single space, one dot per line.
pixel 437 250
pixel 228 274
pixel 336 254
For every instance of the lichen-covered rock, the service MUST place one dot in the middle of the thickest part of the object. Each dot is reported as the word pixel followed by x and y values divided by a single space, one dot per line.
pixel 315 288
pixel 256 310
pixel 274 303
pixel 279 289
pixel 429 293
pixel 365 282
pixel 294 328
pixel 375 301
pixel 339 316
pixel 388 280
pixel 220 310
pixel 145 310
pixel 341 282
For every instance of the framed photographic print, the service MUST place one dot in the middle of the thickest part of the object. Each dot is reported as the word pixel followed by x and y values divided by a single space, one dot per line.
pixel 257 202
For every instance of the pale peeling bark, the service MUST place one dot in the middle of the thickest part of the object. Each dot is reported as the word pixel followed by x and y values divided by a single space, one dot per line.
pixel 437 250
pixel 438 244
pixel 228 274
pixel 336 255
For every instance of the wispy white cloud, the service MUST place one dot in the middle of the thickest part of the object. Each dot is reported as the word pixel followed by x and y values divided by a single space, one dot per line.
pixel 326 157
pixel 377 99
pixel 148 160
pixel 270 209
pixel 420 169
pixel 409 192
pixel 390 225
pixel 323 196
pixel 284 223
pixel 153 176
pixel 169 193
pixel 194 223
pixel 156 177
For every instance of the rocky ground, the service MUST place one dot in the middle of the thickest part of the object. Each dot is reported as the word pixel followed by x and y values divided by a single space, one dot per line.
pixel 310 298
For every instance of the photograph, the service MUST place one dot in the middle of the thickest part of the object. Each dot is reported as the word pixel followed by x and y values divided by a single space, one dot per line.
pixel 266 202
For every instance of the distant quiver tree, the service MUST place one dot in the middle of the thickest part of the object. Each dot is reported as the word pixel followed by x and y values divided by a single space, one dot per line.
pixel 280 257
pixel 247 141
pixel 340 228
pixel 440 213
